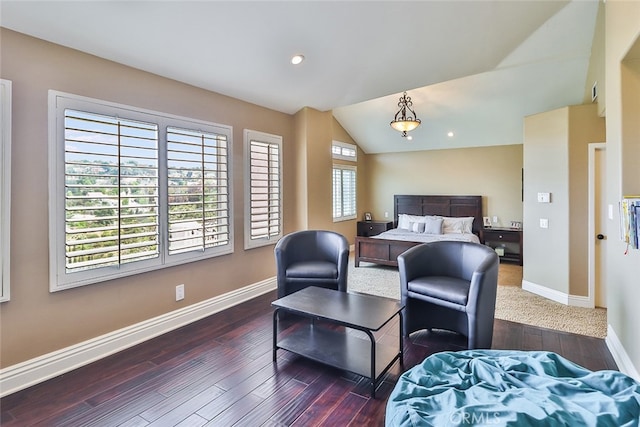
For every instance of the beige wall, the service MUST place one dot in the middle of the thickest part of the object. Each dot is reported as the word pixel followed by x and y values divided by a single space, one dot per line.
pixel 556 162
pixel 348 228
pixel 585 126
pixel 623 174
pixel 492 172
pixel 35 321
pixel 315 132
pixel 546 159
pixel 596 72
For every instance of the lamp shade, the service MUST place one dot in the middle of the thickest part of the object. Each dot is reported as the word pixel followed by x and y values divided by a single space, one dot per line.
pixel 405 125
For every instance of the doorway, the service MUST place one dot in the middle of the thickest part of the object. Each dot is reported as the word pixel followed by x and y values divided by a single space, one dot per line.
pixel 598 214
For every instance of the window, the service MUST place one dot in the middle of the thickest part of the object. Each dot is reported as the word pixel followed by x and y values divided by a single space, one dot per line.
pixel 344 192
pixel 198 190
pixel 5 187
pixel 344 151
pixel 263 192
pixel 111 207
pixel 132 191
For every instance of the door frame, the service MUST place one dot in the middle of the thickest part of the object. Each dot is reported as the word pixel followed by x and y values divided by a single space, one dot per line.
pixel 591 231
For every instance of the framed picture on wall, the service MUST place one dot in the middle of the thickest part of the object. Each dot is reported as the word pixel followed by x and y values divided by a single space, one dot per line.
pixel 486 221
pixel 367 216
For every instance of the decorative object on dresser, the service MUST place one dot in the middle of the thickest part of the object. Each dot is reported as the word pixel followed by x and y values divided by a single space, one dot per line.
pixel 416 220
pixel 372 228
pixel 507 242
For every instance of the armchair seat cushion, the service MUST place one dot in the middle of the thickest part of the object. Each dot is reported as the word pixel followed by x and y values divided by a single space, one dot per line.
pixel 443 288
pixel 312 270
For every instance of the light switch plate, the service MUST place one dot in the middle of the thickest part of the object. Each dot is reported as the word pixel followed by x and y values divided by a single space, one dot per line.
pixel 544 223
pixel 544 197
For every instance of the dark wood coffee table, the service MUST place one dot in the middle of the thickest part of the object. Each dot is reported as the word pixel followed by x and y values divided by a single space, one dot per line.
pixel 338 348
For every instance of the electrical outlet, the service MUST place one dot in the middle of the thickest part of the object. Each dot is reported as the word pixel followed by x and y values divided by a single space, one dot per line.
pixel 179 292
pixel 386 214
pixel 495 219
pixel 544 223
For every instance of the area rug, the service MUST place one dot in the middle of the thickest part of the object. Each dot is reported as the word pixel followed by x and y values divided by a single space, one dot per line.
pixel 513 303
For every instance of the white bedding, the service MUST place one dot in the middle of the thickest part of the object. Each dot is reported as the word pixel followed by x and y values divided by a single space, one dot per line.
pixel 410 236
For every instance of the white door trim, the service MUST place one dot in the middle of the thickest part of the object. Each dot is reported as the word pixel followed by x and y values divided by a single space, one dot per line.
pixel 593 147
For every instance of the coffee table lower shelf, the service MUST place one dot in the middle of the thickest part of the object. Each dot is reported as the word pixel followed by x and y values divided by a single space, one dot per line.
pixel 341 350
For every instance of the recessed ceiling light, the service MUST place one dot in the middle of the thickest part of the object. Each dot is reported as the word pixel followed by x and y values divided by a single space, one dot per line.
pixel 409 137
pixel 450 134
pixel 297 59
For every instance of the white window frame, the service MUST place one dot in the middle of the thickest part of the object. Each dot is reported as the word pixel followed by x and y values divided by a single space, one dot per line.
pixel 344 151
pixel 59 278
pixel 342 216
pixel 251 136
pixel 5 189
pixel 213 150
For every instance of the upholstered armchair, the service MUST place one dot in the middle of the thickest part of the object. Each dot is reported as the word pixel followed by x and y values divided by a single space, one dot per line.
pixel 452 286
pixel 311 258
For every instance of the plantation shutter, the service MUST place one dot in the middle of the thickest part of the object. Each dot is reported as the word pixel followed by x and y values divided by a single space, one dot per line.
pixel 111 190
pixel 337 193
pixel 198 190
pixel 348 192
pixel 344 192
pixel 265 192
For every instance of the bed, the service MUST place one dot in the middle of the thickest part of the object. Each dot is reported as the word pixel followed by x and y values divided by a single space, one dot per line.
pixel 385 247
pixel 511 388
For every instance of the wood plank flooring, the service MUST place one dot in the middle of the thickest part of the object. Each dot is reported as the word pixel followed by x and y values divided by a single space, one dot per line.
pixel 219 372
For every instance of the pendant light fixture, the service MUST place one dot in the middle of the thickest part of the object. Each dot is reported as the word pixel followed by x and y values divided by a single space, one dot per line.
pixel 405 119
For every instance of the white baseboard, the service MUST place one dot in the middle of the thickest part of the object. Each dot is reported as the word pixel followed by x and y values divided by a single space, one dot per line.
pixel 580 301
pixel 557 296
pixel 619 354
pixel 42 368
pixel 543 291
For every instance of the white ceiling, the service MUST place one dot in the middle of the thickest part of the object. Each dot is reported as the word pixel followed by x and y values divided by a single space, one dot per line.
pixel 472 67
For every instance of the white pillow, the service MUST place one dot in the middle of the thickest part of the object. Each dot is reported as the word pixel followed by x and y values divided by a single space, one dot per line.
pixel 433 225
pixel 404 220
pixel 416 227
pixel 457 225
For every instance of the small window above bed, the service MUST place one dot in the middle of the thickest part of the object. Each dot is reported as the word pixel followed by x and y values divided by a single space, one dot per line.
pixel 344 151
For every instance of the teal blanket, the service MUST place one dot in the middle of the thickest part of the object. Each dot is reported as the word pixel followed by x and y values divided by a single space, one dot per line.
pixel 511 388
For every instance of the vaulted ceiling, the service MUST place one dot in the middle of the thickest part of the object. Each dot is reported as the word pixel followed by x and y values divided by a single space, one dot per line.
pixel 474 68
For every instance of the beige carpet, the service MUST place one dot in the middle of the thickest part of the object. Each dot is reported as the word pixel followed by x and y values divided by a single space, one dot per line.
pixel 513 303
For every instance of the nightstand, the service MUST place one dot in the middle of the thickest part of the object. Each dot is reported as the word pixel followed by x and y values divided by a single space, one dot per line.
pixel 507 240
pixel 371 228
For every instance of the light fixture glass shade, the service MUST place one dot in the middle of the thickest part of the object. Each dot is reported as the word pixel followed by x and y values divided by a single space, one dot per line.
pixel 405 119
pixel 405 126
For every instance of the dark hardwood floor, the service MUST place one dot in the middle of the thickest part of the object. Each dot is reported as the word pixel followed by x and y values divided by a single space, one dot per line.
pixel 219 372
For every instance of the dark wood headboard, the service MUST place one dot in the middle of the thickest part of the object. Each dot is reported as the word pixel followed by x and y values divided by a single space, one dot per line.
pixel 452 206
